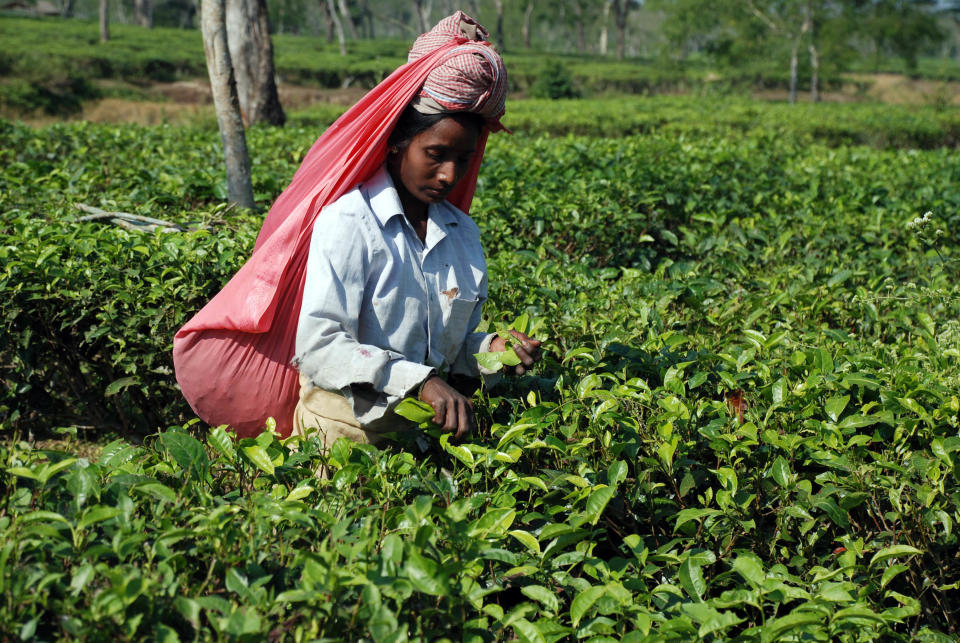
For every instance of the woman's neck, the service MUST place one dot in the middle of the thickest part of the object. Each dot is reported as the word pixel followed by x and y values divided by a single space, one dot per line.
pixel 414 209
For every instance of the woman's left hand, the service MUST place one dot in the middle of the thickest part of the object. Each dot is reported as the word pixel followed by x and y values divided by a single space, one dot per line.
pixel 526 348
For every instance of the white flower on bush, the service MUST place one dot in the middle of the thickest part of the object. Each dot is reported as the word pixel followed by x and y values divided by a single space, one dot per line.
pixel 920 222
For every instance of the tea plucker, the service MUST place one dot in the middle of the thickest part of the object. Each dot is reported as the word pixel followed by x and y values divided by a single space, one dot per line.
pixel 367 279
pixel 396 276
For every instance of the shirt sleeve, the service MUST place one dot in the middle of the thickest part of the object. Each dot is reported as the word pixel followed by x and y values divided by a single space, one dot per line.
pixel 327 350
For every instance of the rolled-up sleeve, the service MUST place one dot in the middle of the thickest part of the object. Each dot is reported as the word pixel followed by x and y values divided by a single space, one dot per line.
pixel 327 348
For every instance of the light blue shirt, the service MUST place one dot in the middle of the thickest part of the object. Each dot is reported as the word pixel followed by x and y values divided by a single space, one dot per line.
pixel 380 309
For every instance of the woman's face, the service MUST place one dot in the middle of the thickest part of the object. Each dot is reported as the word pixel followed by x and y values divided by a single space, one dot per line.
pixel 436 159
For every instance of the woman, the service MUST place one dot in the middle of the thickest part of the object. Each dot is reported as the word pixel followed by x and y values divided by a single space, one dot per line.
pixel 234 360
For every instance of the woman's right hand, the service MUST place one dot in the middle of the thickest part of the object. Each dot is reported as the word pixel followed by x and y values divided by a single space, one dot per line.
pixel 453 411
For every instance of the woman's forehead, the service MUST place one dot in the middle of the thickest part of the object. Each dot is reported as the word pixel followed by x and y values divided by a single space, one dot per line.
pixel 450 132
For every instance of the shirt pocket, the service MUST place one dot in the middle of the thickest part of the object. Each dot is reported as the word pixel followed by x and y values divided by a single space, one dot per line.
pixel 457 312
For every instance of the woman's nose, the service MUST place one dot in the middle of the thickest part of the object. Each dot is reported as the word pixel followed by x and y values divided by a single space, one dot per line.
pixel 447 172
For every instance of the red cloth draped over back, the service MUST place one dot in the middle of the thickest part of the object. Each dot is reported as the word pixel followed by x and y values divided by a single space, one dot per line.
pixel 232 359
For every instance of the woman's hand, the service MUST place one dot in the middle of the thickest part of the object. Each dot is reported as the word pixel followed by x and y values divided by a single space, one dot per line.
pixel 527 349
pixel 454 412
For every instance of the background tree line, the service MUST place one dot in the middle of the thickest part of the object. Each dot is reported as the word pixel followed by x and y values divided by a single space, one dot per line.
pixel 723 30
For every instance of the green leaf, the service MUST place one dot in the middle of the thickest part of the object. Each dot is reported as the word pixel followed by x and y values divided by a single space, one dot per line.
pixel 894 551
pixel 99 513
pixel 527 631
pixel 222 441
pixel 750 568
pixel 460 453
pixel 188 453
pixel 423 573
pixel 259 457
pixel 835 405
pixel 527 539
pixel 780 471
pixel 494 522
pixel 583 602
pixel 417 411
pixel 597 502
pixel 543 596
pixel 691 579
pixel 81 576
pixel 616 472
pixel 521 324
pixel 496 360
pixel 118 385
pixel 686 515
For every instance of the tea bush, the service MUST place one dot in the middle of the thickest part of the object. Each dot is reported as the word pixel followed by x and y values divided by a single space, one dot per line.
pixel 746 427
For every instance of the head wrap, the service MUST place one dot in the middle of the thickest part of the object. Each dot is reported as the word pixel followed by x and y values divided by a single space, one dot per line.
pixel 233 358
pixel 472 78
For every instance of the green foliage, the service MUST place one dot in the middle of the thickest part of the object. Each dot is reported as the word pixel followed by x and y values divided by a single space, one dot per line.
pixel 554 81
pixel 745 426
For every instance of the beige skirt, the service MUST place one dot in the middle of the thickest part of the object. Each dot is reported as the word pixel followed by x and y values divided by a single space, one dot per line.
pixel 329 415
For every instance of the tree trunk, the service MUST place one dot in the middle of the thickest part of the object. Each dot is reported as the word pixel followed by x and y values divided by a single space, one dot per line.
pixel 527 13
pixel 581 35
pixel 603 27
pixel 366 19
pixel 213 26
pixel 814 73
pixel 793 72
pixel 500 43
pixel 327 20
pixel 620 14
pixel 143 13
pixel 104 20
pixel 956 23
pixel 338 27
pixel 346 18
pixel 251 52
pixel 807 31
pixel 66 9
pixel 422 9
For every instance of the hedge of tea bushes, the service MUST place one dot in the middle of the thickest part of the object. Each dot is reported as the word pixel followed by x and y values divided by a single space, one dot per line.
pixel 746 426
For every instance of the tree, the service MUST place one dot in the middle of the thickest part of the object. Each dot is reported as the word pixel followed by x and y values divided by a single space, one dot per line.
pixel 213 25
pixel 251 53
pixel 143 13
pixel 501 45
pixel 953 10
pixel 900 27
pixel 621 9
pixel 604 38
pixel 104 20
pixel 525 29
pixel 337 26
pixel 422 10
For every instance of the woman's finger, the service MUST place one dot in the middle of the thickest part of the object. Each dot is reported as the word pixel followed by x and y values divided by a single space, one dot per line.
pixel 440 411
pixel 464 427
pixel 523 352
pixel 453 417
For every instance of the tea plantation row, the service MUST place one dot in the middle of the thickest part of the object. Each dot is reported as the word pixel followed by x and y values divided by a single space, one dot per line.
pixel 746 429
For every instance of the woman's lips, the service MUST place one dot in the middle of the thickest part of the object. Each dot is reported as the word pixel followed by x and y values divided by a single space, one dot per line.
pixel 436 193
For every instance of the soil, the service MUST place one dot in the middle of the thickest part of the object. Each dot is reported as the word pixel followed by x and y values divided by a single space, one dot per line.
pixel 189 101
pixel 885 88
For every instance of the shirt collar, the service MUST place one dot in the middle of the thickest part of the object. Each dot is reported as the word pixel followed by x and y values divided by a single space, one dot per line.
pixel 383 197
pixel 385 202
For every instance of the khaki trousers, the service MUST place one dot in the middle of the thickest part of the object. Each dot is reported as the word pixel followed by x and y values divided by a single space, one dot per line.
pixel 328 414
